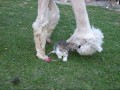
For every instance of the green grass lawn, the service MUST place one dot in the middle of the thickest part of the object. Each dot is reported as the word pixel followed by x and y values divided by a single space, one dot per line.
pixel 100 71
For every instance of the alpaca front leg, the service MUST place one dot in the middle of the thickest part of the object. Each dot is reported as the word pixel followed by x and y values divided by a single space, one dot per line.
pixel 40 30
pixel 40 42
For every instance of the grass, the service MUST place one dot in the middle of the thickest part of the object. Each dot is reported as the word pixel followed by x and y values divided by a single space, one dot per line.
pixel 100 71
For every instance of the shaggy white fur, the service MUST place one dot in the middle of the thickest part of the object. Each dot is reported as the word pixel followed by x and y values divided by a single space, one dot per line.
pixel 90 42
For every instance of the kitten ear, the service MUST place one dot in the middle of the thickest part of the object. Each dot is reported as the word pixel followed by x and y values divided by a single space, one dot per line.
pixel 55 46
pixel 71 46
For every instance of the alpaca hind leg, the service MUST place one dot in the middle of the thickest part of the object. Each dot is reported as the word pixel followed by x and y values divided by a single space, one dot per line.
pixel 54 18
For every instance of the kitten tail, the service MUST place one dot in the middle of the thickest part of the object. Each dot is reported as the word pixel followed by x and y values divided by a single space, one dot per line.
pixel 51 53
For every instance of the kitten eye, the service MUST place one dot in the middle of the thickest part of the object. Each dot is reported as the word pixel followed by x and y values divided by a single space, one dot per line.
pixel 60 50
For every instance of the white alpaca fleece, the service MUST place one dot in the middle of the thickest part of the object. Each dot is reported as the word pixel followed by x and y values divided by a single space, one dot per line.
pixel 90 42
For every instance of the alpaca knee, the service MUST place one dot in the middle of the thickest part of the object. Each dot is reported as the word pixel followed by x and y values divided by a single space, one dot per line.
pixel 37 26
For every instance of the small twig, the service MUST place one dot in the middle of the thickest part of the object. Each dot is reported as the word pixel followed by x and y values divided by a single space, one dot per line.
pixel 54 60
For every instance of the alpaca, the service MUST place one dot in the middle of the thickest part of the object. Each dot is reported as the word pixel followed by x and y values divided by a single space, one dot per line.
pixel 88 37
pixel 112 3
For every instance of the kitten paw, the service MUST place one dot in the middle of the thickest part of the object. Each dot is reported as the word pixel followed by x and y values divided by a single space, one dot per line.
pixel 65 59
pixel 60 57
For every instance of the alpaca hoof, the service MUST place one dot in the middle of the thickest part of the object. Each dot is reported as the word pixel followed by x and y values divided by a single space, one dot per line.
pixel 45 58
pixel 40 56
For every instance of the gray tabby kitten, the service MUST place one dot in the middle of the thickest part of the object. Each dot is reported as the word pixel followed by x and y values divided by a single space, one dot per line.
pixel 62 49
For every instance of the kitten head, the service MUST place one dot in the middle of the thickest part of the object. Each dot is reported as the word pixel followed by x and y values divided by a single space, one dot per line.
pixel 61 48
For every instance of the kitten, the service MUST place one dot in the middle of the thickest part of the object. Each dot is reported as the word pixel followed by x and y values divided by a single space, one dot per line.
pixel 62 48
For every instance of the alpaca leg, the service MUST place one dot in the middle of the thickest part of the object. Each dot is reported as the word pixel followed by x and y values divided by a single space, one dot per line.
pixel 39 28
pixel 40 41
pixel 54 18
pixel 82 20
pixel 89 38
